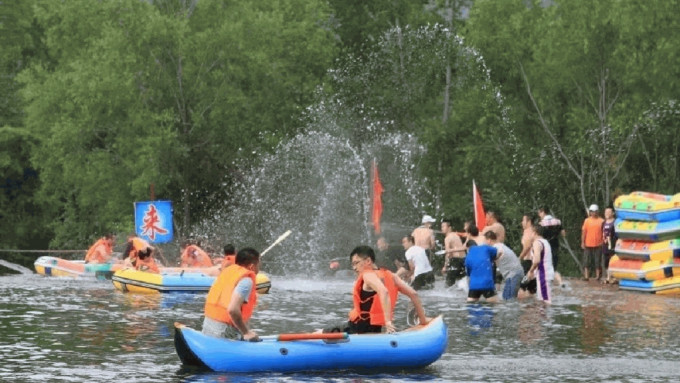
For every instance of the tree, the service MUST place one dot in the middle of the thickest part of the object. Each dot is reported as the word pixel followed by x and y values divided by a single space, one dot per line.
pixel 156 93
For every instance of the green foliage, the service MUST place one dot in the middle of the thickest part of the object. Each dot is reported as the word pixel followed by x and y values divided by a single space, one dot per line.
pixel 163 94
pixel 21 217
pixel 555 103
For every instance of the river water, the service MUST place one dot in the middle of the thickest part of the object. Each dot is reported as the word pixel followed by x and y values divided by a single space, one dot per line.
pixel 58 329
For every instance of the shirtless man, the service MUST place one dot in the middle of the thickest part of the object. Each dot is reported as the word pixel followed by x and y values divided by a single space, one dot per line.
pixel 527 287
pixel 495 226
pixel 455 253
pixel 424 235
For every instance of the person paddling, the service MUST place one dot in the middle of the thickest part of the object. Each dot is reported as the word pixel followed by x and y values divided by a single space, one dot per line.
pixel 232 299
pixel 375 295
pixel 100 251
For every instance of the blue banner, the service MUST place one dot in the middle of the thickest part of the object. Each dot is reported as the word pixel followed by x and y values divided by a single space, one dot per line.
pixel 153 221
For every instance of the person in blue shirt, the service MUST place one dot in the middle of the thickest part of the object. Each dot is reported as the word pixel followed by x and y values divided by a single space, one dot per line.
pixel 479 269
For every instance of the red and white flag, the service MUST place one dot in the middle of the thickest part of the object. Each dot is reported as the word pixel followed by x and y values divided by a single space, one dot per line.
pixel 480 215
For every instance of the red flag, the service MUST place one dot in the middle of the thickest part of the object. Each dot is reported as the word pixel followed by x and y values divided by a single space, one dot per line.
pixel 480 215
pixel 377 199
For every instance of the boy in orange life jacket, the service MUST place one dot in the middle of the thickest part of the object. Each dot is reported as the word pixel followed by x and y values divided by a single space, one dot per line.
pixel 232 299
pixel 132 249
pixel 375 295
pixel 145 261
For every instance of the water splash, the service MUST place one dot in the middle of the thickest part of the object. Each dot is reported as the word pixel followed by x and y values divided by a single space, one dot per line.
pixel 317 183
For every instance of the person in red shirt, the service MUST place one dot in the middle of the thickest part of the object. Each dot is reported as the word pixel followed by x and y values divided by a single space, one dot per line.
pixel 591 242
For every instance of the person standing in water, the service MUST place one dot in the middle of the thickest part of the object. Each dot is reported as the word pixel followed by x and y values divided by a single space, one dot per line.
pixel 454 263
pixel 493 224
pixel 508 265
pixel 480 271
pixel 423 236
pixel 541 267
pixel 422 276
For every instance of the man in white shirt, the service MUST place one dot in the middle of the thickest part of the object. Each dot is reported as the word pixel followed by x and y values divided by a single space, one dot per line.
pixel 422 277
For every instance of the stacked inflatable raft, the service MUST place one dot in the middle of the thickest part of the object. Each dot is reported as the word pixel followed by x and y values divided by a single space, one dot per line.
pixel 648 250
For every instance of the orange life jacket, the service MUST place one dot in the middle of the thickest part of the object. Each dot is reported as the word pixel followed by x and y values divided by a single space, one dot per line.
pixel 228 261
pixel 147 264
pixel 138 245
pixel 376 315
pixel 99 252
pixel 219 296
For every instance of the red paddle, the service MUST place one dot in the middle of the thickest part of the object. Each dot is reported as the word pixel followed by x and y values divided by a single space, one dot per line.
pixel 309 336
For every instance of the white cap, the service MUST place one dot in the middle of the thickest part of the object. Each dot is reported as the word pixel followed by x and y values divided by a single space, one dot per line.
pixel 593 207
pixel 427 218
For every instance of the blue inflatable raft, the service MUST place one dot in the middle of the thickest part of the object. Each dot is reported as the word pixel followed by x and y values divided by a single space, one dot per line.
pixel 414 348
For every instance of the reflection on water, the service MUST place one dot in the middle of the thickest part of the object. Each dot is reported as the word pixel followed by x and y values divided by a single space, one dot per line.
pixel 84 331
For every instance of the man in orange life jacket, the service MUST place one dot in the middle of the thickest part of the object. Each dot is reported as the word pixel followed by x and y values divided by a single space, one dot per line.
pixel 100 251
pixel 232 299
pixel 375 295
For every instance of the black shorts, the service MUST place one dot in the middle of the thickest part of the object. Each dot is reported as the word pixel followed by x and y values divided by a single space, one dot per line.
pixel 529 285
pixel 359 327
pixel 476 294
pixel 423 281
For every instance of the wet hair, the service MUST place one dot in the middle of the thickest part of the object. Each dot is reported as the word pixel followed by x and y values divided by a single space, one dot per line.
pixel 538 229
pixel 490 235
pixel 142 254
pixel 473 230
pixel 247 256
pixel 229 249
pixel 362 252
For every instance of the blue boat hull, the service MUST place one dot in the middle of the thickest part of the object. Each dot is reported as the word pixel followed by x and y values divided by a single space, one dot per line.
pixel 404 350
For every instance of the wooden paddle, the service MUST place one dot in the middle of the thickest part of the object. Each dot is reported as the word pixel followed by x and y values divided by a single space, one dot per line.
pixel 278 240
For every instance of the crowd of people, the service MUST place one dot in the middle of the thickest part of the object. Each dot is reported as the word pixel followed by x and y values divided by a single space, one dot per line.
pixel 482 258
pixel 486 262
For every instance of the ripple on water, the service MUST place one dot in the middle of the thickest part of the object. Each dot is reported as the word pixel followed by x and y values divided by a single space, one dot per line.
pixel 84 331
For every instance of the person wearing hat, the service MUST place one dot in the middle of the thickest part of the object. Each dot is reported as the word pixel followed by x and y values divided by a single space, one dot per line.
pixel 591 242
pixel 424 235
